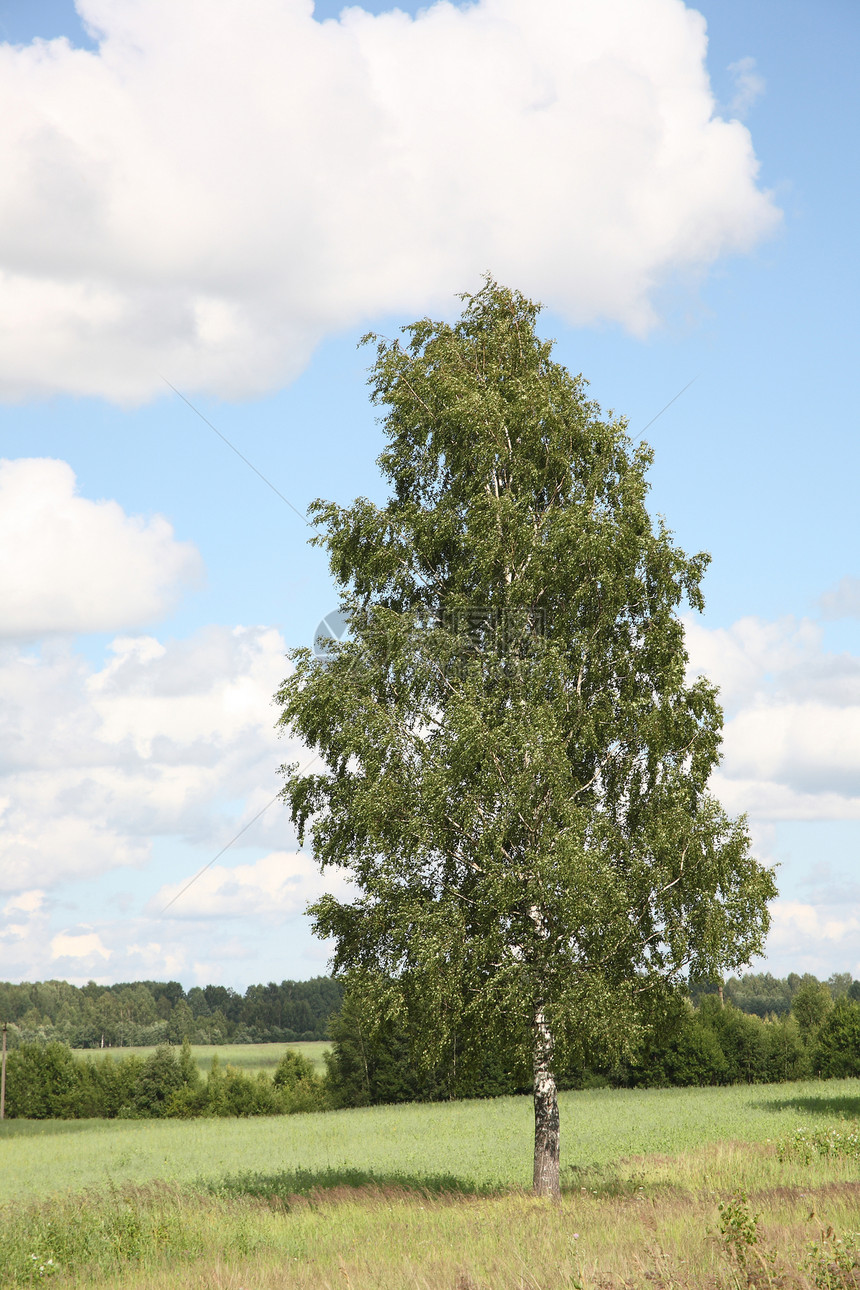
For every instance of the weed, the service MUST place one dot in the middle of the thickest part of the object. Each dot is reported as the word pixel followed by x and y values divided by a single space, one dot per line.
pixel 742 1240
pixel 832 1143
pixel 833 1263
pixel 738 1227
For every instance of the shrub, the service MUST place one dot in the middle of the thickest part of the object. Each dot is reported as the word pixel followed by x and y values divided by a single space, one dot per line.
pixel 300 1087
pixel 743 1040
pixel 837 1048
pixel 42 1082
pixel 788 1057
pixel 232 1092
pixel 160 1077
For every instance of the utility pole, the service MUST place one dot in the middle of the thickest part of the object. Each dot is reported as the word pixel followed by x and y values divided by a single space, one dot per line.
pixel 3 1078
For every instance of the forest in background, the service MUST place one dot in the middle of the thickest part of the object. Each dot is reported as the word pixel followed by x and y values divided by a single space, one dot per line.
pixel 697 1041
pixel 697 1038
pixel 148 1013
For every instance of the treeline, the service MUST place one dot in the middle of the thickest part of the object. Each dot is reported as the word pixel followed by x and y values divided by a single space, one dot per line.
pixel 47 1081
pixel 148 1013
pixel 712 1042
pixel 764 995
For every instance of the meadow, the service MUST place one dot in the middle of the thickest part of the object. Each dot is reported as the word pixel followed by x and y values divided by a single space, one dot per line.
pixel 436 1196
pixel 245 1057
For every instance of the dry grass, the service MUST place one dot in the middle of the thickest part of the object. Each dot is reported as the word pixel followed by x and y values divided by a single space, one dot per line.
pixel 653 1223
pixel 428 1197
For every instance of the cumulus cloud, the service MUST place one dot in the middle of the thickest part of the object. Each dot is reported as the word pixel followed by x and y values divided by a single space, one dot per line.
pixel 812 938
pixel 80 945
pixel 792 734
pixel 212 191
pixel 74 565
pixel 275 888
pixel 841 601
pixel 40 943
pixel 749 87
pixel 96 763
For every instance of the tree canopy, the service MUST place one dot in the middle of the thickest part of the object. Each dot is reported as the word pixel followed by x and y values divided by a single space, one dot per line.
pixel 515 764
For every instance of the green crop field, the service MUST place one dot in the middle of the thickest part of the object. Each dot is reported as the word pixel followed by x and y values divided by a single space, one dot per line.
pixel 246 1057
pixel 434 1196
pixel 485 1143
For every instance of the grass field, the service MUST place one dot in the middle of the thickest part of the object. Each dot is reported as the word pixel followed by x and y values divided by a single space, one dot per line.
pixel 246 1057
pixel 434 1196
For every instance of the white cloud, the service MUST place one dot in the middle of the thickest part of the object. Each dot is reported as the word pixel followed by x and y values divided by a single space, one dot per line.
pixel 26 902
pixel 94 764
pixel 749 87
pixel 740 658
pixel 82 945
pixel 792 734
pixel 843 600
pixel 74 565
pixel 213 191
pixel 212 947
pixel 275 888
pixel 813 938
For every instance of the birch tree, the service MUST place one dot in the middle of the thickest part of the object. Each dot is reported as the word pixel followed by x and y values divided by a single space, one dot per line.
pixel 513 764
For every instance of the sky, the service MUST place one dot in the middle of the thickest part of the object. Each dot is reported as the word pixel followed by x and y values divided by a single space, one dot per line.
pixel 202 209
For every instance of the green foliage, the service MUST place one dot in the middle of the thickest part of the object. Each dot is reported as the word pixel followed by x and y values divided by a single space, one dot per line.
pixel 759 993
pixel 695 1057
pixel 298 1084
pixel 148 1013
pixel 160 1077
pixel 811 1003
pixel 738 1228
pixel 789 1057
pixel 831 1143
pixel 515 768
pixel 371 1063
pixel 837 1040
pixel 41 1081
pixel 230 1092
pixel 833 1263
pixel 45 1081
pixel 743 1040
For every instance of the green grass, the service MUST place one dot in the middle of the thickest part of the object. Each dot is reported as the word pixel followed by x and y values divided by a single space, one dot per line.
pixel 480 1143
pixel 245 1057
pixel 435 1196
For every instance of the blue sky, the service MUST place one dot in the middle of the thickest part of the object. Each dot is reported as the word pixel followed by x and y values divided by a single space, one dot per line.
pixel 155 176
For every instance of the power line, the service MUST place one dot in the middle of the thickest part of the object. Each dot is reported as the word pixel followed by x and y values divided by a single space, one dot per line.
pixel 668 405
pixel 226 847
pixel 239 454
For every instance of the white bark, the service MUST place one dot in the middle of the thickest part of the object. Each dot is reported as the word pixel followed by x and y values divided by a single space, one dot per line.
pixel 547 1138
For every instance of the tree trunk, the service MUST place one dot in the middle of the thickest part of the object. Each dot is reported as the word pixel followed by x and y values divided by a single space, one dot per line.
pixel 547 1142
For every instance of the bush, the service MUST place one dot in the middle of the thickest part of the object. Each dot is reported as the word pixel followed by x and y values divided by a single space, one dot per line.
pixel 47 1081
pixel 160 1078
pixel 696 1057
pixel 788 1057
pixel 837 1050
pixel 743 1040
pixel 232 1092
pixel 42 1082
pixel 107 1086
pixel 300 1088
